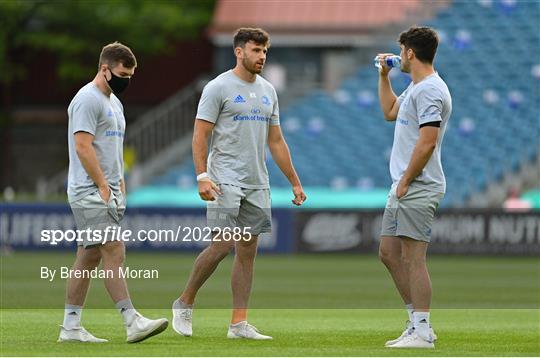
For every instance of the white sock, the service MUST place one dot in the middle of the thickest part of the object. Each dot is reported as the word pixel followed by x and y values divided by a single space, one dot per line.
pixel 126 309
pixel 72 316
pixel 179 304
pixel 239 324
pixel 410 310
pixel 421 325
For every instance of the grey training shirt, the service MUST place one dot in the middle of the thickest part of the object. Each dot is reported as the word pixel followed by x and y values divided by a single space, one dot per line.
pixel 242 113
pixel 427 101
pixel 93 112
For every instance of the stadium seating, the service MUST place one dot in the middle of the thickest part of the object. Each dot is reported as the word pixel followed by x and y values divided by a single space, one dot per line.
pixel 486 56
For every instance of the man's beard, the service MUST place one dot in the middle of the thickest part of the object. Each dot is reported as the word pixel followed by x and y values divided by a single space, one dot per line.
pixel 251 67
pixel 405 68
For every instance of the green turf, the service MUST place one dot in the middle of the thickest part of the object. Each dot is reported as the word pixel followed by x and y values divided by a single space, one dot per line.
pixel 296 333
pixel 314 305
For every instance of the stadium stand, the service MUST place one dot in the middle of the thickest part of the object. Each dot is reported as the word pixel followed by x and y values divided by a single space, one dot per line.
pixel 340 140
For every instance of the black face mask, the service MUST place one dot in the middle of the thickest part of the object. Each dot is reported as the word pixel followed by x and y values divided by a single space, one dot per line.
pixel 117 84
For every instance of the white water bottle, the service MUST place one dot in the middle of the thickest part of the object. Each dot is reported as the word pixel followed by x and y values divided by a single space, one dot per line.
pixel 391 61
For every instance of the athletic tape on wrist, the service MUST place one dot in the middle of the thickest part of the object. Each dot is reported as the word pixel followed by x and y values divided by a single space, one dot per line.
pixel 202 176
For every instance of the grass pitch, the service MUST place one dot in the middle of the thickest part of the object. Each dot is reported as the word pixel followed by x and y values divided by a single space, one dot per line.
pixel 313 305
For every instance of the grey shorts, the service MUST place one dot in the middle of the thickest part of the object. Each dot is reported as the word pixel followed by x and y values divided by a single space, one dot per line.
pixel 94 215
pixel 248 209
pixel 411 215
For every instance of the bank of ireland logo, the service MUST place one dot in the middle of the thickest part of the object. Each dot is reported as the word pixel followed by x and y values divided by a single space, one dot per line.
pixel 239 99
pixel 255 111
pixel 266 101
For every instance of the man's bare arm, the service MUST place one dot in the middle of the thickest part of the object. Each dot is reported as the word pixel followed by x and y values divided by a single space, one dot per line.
pixel 422 153
pixel 87 155
pixel 282 156
pixel 201 133
pixel 387 97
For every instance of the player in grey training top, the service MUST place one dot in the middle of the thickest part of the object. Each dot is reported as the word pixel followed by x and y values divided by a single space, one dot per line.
pixel 242 113
pixel 96 193
pixel 239 109
pixel 423 104
pixel 421 113
pixel 92 112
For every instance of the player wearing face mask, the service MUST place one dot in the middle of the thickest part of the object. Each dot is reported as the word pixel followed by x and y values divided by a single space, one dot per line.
pixel 96 194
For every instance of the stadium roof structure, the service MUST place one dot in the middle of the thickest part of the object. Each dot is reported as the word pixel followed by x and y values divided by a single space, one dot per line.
pixel 318 22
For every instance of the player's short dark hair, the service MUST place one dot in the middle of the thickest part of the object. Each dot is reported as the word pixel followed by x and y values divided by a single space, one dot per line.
pixel 245 34
pixel 422 40
pixel 115 53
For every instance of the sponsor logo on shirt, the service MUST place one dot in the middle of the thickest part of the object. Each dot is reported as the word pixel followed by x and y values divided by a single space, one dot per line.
pixel 118 134
pixel 239 99
pixel 266 101
pixel 110 113
pixel 405 122
pixel 251 117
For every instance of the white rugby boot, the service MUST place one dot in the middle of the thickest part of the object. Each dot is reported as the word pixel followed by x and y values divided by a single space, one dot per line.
pixel 245 330
pixel 78 334
pixel 182 319
pixel 142 328
pixel 413 340
pixel 408 330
